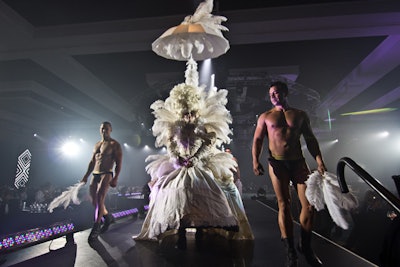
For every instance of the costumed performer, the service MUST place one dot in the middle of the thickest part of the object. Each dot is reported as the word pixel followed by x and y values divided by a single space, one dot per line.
pixel 186 182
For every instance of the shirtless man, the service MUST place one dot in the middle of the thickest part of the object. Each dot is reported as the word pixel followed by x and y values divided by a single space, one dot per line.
pixel 106 154
pixel 284 126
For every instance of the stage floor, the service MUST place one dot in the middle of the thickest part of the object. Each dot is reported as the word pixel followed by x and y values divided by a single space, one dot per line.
pixel 117 248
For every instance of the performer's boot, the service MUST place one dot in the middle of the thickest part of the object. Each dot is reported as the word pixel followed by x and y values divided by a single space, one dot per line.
pixel 181 244
pixel 291 259
pixel 199 236
pixel 305 249
pixel 95 232
pixel 108 219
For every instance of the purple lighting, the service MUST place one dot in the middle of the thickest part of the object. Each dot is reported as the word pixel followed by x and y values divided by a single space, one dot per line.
pixel 125 213
pixel 35 235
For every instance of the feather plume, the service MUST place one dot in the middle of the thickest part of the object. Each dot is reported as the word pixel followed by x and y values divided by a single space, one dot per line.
pixel 203 16
pixel 325 191
pixel 71 194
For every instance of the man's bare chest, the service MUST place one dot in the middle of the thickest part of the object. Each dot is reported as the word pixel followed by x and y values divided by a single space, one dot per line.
pixel 283 120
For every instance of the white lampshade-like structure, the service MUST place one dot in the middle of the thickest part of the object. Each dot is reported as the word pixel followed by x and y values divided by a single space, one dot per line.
pixel 190 40
pixel 198 37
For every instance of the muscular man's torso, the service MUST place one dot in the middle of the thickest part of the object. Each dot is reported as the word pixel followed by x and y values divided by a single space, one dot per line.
pixel 284 129
pixel 104 156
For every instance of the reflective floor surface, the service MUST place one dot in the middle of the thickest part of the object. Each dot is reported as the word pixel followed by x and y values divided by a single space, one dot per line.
pixel 117 248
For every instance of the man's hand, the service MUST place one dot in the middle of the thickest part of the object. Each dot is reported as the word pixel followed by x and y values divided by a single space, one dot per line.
pixel 84 180
pixel 321 169
pixel 258 169
pixel 113 182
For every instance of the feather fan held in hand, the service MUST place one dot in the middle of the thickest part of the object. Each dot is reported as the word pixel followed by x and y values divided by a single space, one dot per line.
pixel 325 190
pixel 71 194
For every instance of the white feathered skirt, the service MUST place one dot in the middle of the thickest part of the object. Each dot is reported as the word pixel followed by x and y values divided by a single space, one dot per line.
pixel 186 197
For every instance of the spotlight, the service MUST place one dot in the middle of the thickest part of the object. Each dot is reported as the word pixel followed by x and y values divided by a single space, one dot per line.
pixel 383 134
pixel 70 149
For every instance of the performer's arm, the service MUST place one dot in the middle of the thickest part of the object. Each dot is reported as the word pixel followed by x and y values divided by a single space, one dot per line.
pixel 208 140
pixel 312 145
pixel 118 164
pixel 89 169
pixel 258 140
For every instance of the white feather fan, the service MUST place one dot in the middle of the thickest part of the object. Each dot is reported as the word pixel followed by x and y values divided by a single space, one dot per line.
pixel 71 194
pixel 324 191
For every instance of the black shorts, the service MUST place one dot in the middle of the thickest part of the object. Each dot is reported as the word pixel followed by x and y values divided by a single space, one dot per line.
pixel 97 176
pixel 296 170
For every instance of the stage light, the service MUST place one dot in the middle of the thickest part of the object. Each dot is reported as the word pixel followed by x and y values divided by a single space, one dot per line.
pixel 70 149
pixel 383 134
pixel 124 213
pixel 35 236
pixel 206 75
pixel 371 111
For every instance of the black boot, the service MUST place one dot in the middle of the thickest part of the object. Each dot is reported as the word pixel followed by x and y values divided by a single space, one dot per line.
pixel 305 249
pixel 181 244
pixel 291 260
pixel 95 232
pixel 199 237
pixel 108 219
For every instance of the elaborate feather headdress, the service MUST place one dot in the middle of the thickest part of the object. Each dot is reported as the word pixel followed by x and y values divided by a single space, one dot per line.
pixel 198 37
pixel 189 96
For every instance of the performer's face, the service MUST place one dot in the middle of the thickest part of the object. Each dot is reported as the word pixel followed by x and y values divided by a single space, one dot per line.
pixel 276 96
pixel 189 116
pixel 105 130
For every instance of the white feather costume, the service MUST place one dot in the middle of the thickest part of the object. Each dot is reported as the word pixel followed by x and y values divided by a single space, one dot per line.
pixel 324 191
pixel 192 185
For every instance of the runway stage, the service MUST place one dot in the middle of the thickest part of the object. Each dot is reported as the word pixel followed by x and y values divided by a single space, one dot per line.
pixel 117 248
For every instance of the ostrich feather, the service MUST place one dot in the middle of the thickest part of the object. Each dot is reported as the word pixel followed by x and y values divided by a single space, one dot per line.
pixel 324 191
pixel 203 16
pixel 71 194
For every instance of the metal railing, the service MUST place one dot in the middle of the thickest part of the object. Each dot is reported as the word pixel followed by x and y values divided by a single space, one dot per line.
pixel 371 181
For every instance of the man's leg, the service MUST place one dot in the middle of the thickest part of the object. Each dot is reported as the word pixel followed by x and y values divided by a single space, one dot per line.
pixel 306 223
pixel 101 198
pixel 99 192
pixel 285 220
pixel 94 233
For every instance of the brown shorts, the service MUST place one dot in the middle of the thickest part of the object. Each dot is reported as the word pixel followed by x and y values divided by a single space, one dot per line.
pixel 297 170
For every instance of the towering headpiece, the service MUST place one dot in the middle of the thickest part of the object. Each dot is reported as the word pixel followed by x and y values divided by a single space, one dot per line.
pixel 199 37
